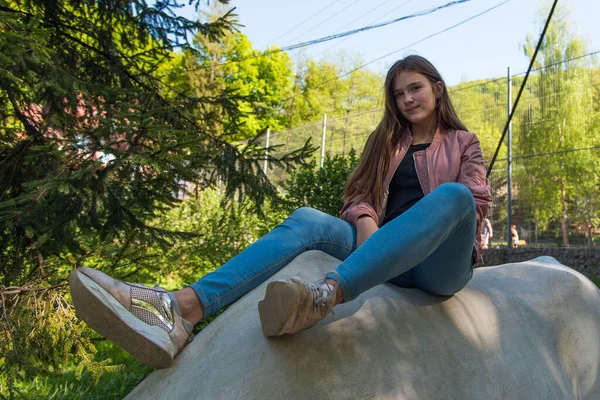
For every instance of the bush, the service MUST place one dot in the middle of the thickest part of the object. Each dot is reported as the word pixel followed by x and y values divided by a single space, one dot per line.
pixel 321 188
pixel 221 234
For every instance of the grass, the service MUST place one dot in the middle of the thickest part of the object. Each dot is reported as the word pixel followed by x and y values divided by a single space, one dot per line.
pixel 111 385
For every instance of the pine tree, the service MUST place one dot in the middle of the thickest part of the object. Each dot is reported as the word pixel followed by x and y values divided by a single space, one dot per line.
pixel 93 145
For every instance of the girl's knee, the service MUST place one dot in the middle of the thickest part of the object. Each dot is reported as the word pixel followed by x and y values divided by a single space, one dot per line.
pixel 454 189
pixel 457 192
pixel 305 221
pixel 305 213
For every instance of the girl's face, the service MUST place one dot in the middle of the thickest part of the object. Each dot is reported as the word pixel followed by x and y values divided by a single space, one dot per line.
pixel 415 96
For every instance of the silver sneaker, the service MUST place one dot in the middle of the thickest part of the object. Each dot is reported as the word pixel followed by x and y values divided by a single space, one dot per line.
pixel 146 322
pixel 292 305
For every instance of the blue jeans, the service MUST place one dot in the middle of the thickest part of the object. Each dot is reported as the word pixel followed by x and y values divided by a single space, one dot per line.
pixel 428 247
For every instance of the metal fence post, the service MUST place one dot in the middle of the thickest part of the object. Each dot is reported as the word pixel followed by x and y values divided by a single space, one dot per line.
pixel 323 139
pixel 266 150
pixel 509 162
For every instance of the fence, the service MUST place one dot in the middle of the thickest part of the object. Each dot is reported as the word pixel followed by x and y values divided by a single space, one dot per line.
pixel 547 184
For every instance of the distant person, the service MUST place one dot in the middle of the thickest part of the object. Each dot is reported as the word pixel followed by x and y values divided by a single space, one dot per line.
pixel 413 210
pixel 514 236
pixel 486 233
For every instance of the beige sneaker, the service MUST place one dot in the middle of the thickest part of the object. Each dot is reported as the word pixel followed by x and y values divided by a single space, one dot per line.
pixel 145 322
pixel 292 305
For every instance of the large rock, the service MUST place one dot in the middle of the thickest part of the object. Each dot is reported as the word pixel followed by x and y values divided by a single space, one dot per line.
pixel 529 330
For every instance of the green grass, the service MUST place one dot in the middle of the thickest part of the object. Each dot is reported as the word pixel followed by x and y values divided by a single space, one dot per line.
pixel 111 385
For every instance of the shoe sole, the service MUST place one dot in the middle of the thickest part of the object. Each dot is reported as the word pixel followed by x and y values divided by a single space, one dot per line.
pixel 148 344
pixel 278 309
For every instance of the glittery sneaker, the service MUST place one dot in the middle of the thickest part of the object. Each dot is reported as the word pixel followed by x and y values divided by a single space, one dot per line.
pixel 144 321
pixel 292 305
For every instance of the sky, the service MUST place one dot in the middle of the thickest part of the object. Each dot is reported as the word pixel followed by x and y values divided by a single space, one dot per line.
pixel 478 49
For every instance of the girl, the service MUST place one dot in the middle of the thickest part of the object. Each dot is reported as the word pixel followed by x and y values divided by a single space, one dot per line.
pixel 413 209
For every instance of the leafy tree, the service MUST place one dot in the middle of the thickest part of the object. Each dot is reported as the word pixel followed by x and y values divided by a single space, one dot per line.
pixel 325 91
pixel 560 117
pixel 263 79
pixel 481 105
pixel 351 104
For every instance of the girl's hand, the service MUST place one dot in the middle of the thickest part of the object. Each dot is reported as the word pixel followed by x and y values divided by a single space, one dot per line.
pixel 365 227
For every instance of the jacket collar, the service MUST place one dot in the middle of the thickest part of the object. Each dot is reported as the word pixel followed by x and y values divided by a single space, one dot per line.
pixel 402 147
pixel 406 138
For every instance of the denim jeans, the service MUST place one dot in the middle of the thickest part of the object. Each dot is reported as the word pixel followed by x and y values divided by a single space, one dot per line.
pixel 428 247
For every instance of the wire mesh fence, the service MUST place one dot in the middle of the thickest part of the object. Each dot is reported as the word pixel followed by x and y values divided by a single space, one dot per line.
pixel 551 206
pixel 554 197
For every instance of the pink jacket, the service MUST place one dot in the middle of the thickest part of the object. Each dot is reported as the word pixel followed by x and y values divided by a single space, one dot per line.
pixel 453 156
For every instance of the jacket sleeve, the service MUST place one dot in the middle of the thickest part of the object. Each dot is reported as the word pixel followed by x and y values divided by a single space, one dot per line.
pixel 472 174
pixel 352 211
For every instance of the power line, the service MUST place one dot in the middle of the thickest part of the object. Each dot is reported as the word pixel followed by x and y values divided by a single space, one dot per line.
pixel 477 84
pixel 549 153
pixel 335 36
pixel 522 73
pixel 322 22
pixel 362 16
pixel 406 47
pixel 306 20
pixel 427 37
pixel 559 62
pixel 377 109
pixel 370 27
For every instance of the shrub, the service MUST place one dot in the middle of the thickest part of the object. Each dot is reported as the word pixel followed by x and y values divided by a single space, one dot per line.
pixel 321 188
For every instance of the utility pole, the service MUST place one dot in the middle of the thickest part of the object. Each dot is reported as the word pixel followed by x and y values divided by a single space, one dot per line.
pixel 323 139
pixel 509 162
pixel 266 150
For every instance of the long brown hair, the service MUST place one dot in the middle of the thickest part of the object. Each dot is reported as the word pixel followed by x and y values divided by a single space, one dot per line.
pixel 366 182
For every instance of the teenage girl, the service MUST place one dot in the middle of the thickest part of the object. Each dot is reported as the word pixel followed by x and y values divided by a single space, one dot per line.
pixel 412 217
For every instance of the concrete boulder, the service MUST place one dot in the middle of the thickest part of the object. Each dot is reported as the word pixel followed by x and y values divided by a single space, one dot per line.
pixel 528 330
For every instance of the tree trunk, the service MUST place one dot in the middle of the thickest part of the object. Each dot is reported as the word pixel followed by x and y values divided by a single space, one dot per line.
pixel 563 195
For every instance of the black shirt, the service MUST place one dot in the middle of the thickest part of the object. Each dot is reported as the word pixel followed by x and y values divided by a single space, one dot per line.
pixel 405 189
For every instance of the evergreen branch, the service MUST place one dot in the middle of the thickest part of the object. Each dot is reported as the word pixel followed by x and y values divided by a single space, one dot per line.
pixel 144 86
pixel 127 275
pixel 9 326
pixel 16 290
pixel 136 223
pixel 16 155
pixel 122 55
pixel 38 257
pixel 29 127
pixel 123 248
pixel 217 141
pixel 13 11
